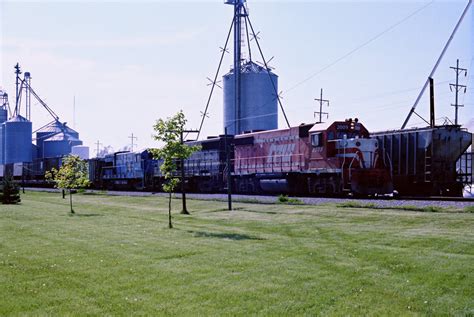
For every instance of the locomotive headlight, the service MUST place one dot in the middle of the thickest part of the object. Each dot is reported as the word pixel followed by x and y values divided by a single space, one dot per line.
pixel 357 143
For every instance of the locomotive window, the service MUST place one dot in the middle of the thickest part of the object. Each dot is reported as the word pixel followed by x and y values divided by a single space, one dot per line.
pixel 330 135
pixel 317 139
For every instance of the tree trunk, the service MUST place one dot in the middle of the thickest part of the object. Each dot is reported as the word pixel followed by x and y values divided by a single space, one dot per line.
pixel 170 225
pixel 70 200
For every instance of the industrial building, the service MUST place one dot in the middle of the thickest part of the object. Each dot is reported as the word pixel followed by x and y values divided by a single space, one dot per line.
pixel 53 140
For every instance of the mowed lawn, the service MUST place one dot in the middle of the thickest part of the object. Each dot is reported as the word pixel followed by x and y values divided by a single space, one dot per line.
pixel 117 257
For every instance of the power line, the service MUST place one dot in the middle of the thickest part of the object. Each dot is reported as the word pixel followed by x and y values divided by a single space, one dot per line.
pixel 360 46
pixel 395 92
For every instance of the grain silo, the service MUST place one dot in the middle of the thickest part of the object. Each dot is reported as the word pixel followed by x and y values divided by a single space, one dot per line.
pixel 3 118
pixel 2 144
pixel 3 114
pixel 258 100
pixel 51 130
pixel 59 144
pixel 17 140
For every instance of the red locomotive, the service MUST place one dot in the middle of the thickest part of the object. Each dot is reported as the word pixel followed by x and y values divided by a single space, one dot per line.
pixel 313 159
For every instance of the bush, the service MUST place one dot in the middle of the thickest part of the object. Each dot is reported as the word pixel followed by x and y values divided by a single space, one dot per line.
pixel 9 192
pixel 283 199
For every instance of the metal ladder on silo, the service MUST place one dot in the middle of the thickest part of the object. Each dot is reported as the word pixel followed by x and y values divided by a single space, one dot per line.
pixel 428 163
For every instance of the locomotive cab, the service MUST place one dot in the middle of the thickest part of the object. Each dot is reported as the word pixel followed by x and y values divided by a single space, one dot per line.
pixel 345 148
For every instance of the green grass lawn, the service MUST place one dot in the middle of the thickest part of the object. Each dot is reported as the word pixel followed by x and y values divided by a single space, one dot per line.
pixel 116 256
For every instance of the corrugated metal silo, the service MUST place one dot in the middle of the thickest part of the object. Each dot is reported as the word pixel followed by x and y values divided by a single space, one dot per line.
pixel 17 138
pixel 59 145
pixel 51 130
pixel 2 144
pixel 259 104
pixel 3 114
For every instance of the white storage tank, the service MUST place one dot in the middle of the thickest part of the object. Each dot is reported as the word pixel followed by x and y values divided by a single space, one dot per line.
pixel 81 150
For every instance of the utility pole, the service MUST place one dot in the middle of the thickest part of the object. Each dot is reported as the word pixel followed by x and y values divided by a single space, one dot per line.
pixel 132 138
pixel 98 144
pixel 183 191
pixel 320 112
pixel 432 104
pixel 457 88
pixel 229 174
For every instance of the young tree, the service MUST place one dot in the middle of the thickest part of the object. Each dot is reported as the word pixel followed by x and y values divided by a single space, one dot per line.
pixel 170 132
pixel 9 192
pixel 71 175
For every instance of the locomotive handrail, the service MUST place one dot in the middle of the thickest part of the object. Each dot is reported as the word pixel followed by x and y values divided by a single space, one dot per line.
pixel 350 165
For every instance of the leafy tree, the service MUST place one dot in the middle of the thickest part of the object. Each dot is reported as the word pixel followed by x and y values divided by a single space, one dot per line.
pixel 9 192
pixel 71 175
pixel 170 132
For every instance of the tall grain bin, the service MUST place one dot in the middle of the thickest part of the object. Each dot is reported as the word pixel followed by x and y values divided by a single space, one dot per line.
pixel 59 145
pixel 258 106
pixel 3 114
pixel 17 138
pixel 3 118
pixel 2 143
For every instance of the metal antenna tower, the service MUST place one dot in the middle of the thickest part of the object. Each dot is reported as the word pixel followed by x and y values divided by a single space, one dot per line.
pixel 239 14
pixel 457 88
pixel 320 112
pixel 132 138
pixel 17 83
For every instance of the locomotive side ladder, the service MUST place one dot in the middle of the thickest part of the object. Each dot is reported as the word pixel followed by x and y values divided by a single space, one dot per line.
pixel 428 163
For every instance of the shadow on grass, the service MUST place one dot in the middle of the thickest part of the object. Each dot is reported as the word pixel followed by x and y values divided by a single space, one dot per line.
pixel 230 236
pixel 225 209
pixel 88 215
pixel 263 212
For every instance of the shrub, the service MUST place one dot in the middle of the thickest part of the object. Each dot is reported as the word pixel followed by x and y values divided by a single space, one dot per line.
pixel 284 199
pixel 9 192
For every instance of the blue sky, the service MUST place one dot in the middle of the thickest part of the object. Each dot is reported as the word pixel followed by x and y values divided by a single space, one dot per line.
pixel 129 63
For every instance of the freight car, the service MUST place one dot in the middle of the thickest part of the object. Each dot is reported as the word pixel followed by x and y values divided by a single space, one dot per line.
pixel 31 174
pixel 423 160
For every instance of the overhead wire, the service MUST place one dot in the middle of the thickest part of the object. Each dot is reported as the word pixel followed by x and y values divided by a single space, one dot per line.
pixel 360 46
